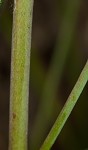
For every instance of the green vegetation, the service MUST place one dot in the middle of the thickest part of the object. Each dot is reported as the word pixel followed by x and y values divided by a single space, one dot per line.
pixel 52 67
pixel 71 101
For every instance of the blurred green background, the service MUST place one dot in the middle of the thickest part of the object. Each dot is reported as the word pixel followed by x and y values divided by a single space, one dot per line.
pixel 59 52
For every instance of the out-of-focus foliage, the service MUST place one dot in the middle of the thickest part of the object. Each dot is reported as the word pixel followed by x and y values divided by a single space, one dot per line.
pixel 48 16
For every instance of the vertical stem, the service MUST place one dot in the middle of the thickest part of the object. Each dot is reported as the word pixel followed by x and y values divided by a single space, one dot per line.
pixel 20 65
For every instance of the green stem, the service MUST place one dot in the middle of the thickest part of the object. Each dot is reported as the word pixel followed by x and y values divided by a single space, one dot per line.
pixel 72 100
pixel 21 45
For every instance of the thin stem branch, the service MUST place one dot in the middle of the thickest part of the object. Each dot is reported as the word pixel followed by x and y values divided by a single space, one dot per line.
pixel 71 101
pixel 20 65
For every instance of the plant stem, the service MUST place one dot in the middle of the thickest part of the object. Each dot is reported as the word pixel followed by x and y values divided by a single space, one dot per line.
pixel 71 101
pixel 20 65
